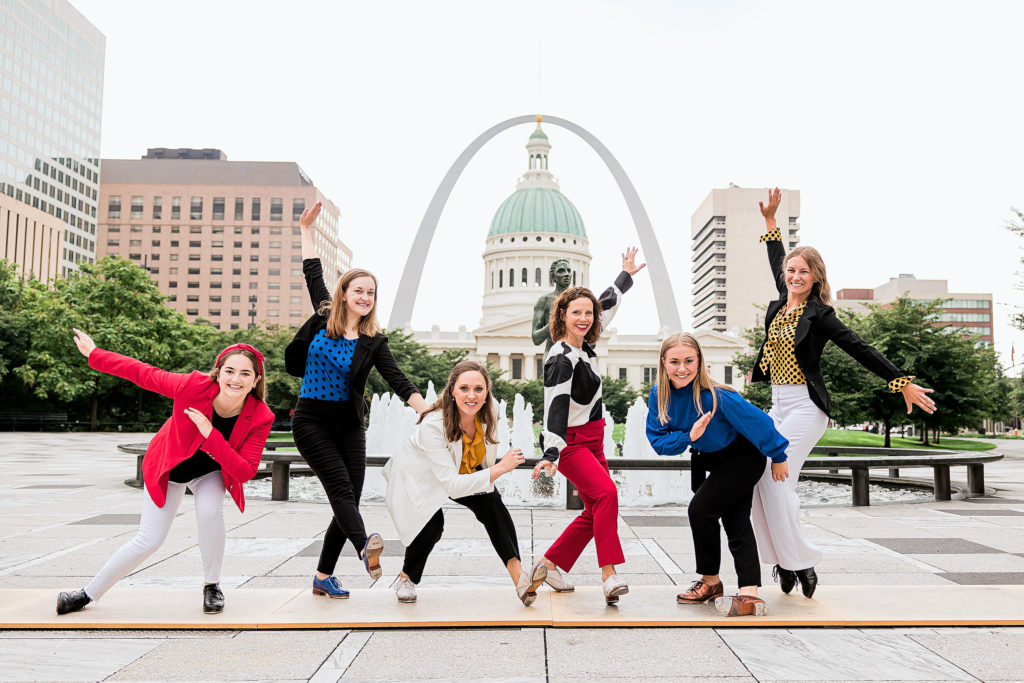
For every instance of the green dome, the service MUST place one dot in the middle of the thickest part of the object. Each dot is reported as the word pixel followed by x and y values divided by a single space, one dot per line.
pixel 537 209
pixel 538 134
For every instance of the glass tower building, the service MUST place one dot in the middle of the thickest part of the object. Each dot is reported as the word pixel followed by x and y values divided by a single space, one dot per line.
pixel 51 68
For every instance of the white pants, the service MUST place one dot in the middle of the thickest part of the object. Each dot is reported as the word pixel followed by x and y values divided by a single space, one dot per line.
pixel 208 491
pixel 776 507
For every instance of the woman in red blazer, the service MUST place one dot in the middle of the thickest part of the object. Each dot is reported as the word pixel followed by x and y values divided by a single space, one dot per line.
pixel 212 442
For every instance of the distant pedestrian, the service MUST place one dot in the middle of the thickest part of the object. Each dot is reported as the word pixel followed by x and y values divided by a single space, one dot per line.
pixel 689 409
pixel 798 325
pixel 452 454
pixel 573 430
pixel 212 442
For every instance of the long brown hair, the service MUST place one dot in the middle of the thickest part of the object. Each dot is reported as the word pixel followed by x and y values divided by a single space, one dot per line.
pixel 259 389
pixel 701 381
pixel 556 324
pixel 820 289
pixel 450 411
pixel 337 311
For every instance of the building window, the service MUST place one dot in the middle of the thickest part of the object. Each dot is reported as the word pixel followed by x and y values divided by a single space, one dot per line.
pixel 217 243
pixel 622 373
pixel 501 278
pixel 192 298
pixel 193 271
pixel 525 279
pixel 511 277
pixel 574 278
pixel 728 374
pixel 254 231
pixel 136 207
pixel 113 243
pixel 650 375
pixel 540 367
pixel 298 206
pixel 218 208
pixel 536 277
pixel 255 213
pixel 276 208
pixel 175 208
pixel 195 230
pixel 195 243
pixel 196 212
pixel 134 243
pixel 517 368
pixel 254 245
pixel 114 206
pixel 239 208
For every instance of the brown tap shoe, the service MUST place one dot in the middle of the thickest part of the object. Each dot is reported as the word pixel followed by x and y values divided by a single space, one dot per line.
pixel 741 606
pixel 700 592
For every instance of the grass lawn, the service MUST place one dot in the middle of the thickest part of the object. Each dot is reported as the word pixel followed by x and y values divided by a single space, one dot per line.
pixel 843 437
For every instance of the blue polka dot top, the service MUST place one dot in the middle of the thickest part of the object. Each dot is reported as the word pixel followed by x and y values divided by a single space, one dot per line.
pixel 327 368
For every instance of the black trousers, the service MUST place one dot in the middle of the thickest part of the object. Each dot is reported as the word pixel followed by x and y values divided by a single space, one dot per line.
pixel 726 495
pixel 492 513
pixel 332 441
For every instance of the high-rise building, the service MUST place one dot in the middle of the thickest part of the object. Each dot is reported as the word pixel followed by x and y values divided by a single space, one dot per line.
pixel 220 237
pixel 972 311
pixel 51 67
pixel 731 278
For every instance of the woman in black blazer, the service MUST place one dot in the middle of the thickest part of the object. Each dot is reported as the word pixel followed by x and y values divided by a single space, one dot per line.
pixel 798 325
pixel 333 353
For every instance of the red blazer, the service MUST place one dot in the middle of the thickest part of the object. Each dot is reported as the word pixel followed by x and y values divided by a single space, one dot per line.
pixel 179 438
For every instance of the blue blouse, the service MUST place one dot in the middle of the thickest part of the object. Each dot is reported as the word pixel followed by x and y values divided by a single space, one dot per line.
pixel 328 368
pixel 735 415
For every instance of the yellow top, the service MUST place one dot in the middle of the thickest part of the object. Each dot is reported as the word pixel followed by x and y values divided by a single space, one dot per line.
pixel 779 358
pixel 473 450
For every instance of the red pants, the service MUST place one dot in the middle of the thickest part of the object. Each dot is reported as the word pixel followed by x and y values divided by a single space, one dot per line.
pixel 582 462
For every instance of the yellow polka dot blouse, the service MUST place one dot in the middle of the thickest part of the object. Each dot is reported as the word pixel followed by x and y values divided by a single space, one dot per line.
pixel 779 359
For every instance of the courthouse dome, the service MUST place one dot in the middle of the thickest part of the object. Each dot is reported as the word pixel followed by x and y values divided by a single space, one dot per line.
pixel 537 209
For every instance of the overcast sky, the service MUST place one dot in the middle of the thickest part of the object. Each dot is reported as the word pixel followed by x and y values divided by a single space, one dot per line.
pixel 900 123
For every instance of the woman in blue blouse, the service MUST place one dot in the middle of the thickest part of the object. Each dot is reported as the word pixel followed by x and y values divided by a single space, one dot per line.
pixel 688 408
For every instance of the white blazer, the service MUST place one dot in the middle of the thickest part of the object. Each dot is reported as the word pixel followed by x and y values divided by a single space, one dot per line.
pixel 425 473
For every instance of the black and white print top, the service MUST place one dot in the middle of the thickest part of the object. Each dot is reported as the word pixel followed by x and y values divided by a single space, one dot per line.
pixel 572 379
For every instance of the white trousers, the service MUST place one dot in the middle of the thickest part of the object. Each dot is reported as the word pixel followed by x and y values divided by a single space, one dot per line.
pixel 776 508
pixel 208 491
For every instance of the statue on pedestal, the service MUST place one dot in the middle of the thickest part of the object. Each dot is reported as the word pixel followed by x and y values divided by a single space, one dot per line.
pixel 560 274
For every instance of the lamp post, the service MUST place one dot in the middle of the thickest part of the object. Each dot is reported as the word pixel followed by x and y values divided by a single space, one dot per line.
pixel 252 311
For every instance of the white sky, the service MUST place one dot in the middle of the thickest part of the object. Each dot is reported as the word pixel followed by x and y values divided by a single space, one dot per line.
pixel 900 123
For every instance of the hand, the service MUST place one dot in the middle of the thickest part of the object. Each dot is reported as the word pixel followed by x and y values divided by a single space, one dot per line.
pixel 545 465
pixel 84 342
pixel 915 395
pixel 774 199
pixel 513 459
pixel 780 471
pixel 309 216
pixel 204 425
pixel 697 430
pixel 627 261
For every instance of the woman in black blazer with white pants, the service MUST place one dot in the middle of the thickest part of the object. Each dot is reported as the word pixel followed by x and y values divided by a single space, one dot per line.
pixel 798 325
pixel 333 352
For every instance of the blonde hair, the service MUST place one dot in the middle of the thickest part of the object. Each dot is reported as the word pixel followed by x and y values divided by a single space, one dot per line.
pixel 701 381
pixel 820 289
pixel 338 314
pixel 450 411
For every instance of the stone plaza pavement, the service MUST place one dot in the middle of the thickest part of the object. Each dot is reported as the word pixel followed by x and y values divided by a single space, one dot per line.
pixel 66 509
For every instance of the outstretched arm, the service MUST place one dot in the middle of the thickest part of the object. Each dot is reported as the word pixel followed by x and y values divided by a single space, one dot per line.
pixel 306 230
pixel 135 371
pixel 612 297
pixel 773 239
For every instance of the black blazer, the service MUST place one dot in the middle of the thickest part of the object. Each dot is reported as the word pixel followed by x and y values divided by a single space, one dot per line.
pixel 370 352
pixel 818 325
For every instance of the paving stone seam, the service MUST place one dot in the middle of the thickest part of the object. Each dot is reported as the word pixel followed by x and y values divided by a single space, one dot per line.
pixel 910 636
pixel 50 556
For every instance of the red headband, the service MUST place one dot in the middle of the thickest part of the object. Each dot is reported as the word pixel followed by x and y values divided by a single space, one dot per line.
pixel 244 347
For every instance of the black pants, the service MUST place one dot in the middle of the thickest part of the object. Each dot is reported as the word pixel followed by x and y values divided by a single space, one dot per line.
pixel 492 513
pixel 726 495
pixel 332 441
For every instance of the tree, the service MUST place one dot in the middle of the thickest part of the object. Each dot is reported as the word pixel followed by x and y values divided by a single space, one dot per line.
pixel 417 362
pixel 118 304
pixel 618 395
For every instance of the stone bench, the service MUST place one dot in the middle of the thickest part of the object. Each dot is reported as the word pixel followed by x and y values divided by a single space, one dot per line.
pixel 892 459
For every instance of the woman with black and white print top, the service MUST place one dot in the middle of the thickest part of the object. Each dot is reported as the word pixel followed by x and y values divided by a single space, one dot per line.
pixel 573 430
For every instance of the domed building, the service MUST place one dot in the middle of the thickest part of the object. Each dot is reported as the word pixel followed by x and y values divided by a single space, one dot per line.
pixel 534 226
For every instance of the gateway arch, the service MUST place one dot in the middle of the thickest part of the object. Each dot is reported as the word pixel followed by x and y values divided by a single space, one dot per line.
pixel 401 314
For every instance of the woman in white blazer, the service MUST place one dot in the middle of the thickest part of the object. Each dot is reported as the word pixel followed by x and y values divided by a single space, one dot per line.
pixel 452 454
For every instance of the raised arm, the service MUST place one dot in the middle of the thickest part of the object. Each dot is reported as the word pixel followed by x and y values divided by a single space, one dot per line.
pixel 773 239
pixel 306 221
pixel 311 266
pixel 145 376
pixel 388 368
pixel 612 297
pixel 868 356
